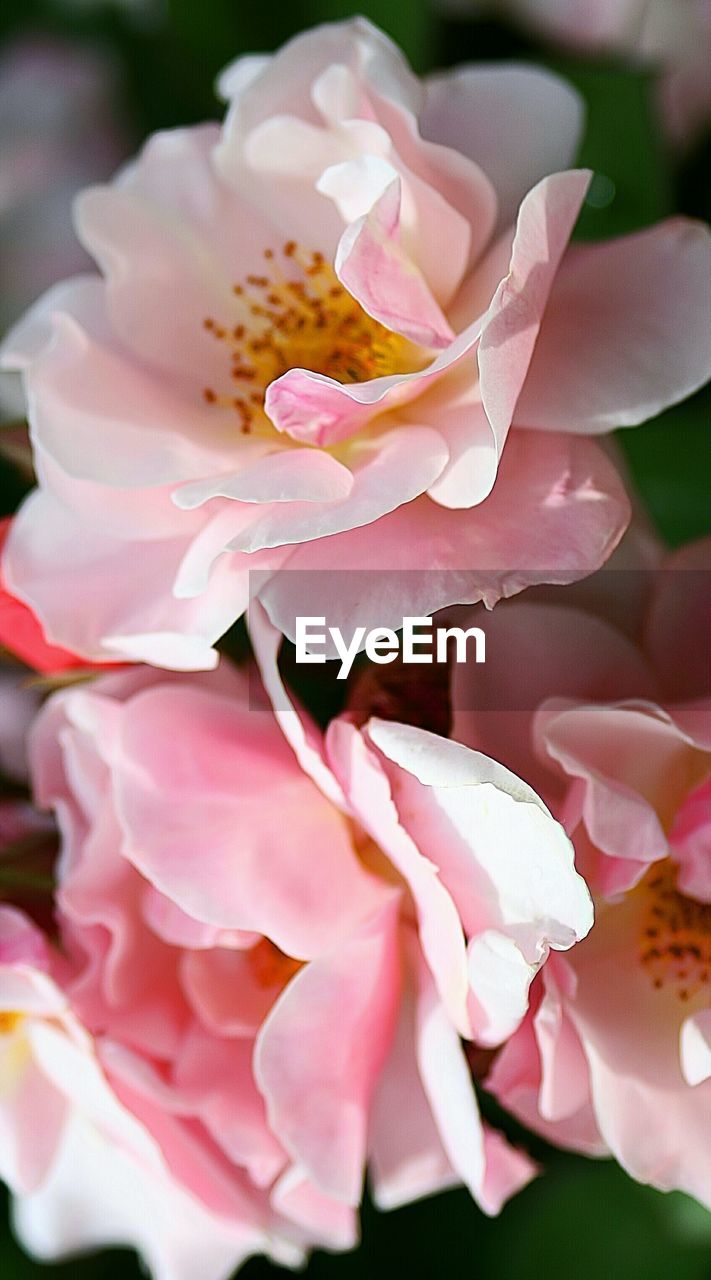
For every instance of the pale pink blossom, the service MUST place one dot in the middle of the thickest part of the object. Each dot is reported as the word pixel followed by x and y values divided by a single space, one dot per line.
pixel 273 944
pixel 345 328
pixel 672 37
pixel 614 730
pixel 85 1169
pixel 22 636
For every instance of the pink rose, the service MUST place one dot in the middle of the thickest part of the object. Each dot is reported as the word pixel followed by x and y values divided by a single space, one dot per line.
pixel 615 1053
pixel 83 1164
pixel 272 948
pixel 345 328
pixel 672 37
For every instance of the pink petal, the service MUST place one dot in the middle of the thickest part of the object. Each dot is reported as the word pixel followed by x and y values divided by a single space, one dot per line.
pixel 325 75
pixel 500 977
pixel 388 471
pixel 678 628
pixel 690 838
pixel 461 183
pixel 519 123
pixel 555 514
pixel 627 331
pixel 474 452
pixel 21 941
pixel 32 1119
pixel 407 1159
pixel 510 330
pixel 366 786
pixel 205 561
pixel 214 1081
pixel 506 863
pixel 321 1050
pixel 630 759
pixel 490 1170
pixel 284 82
pixel 318 410
pixel 171 238
pixel 54 562
pixel 429 222
pixel 224 992
pixel 535 650
pixel 171 924
pixel 302 735
pixel 565 1087
pixel 101 416
pixel 695 1047
pixel 289 475
pixel 192 778
pixel 116 1187
pixel 516 1081
pixel 328 1222
pixel 373 266
pixel 21 632
pixel 642 1101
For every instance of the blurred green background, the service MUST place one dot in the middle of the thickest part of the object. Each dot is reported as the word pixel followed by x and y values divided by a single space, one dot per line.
pixel 582 1219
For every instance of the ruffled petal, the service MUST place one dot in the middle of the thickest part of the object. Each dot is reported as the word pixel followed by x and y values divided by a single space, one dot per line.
pixel 506 863
pixel 55 562
pixel 627 331
pixel 555 514
pixel 318 1087
pixel 478 111
pixel 512 323
pixel 240 872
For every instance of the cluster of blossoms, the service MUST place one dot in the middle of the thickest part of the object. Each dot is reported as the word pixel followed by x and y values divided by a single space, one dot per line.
pixel 245 960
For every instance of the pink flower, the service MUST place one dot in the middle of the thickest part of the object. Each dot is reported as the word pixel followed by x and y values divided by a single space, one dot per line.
pixel 346 328
pixel 21 633
pixel 83 1164
pixel 673 37
pixel 615 1054
pixel 272 946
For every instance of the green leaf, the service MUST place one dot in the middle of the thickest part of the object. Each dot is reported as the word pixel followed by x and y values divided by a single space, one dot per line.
pixel 669 461
pixel 588 1219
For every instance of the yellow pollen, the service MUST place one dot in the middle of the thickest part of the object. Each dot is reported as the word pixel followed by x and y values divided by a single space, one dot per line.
pixel 308 321
pixel 9 1020
pixel 675 937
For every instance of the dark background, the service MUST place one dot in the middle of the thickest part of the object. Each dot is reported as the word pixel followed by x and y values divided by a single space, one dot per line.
pixel 582 1218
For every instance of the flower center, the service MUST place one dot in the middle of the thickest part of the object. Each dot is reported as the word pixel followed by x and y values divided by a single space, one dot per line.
pixel 9 1021
pixel 297 315
pixel 270 966
pixel 675 940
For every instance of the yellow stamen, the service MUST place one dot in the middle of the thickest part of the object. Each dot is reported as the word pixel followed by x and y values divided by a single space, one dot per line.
pixel 675 937
pixel 306 321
